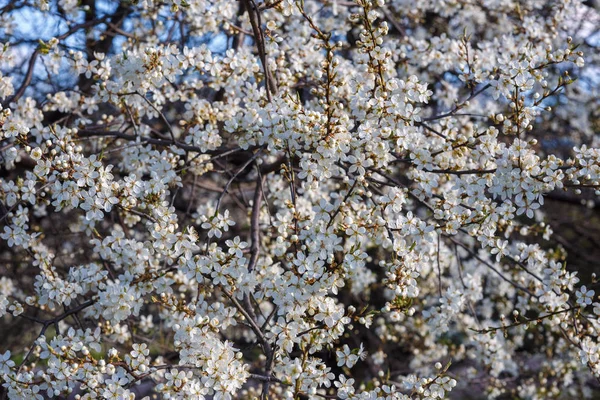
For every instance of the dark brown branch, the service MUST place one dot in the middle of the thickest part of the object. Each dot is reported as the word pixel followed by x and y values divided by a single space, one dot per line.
pixel 459 106
pixel 255 21
pixel 526 321
pixel 254 224
pixel 27 80
pixel 490 266
pixel 49 322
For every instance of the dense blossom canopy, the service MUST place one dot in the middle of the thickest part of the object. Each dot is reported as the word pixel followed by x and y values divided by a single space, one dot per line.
pixel 295 199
